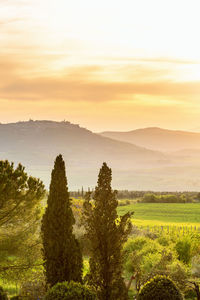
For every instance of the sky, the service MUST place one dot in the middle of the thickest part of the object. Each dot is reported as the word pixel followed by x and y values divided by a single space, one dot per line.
pixel 106 65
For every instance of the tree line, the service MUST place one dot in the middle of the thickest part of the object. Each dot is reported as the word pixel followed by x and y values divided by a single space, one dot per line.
pixel 169 198
pixel 186 196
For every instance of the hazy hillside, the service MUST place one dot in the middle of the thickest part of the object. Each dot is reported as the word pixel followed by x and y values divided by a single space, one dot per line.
pixel 158 139
pixel 36 144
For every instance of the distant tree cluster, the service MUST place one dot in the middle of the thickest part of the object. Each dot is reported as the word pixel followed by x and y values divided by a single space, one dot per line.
pixel 80 193
pixel 170 198
pixel 132 195
pixel 189 196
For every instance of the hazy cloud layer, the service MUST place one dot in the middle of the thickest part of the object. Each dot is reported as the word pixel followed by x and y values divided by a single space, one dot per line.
pixel 87 83
pixel 162 60
pixel 56 58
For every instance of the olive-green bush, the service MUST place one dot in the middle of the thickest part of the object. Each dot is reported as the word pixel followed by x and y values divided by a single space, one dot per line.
pixel 160 288
pixel 3 295
pixel 70 291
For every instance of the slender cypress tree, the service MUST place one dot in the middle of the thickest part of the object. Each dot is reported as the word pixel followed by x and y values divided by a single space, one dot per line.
pixel 106 233
pixel 61 251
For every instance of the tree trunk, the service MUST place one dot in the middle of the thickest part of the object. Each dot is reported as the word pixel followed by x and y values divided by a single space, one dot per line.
pixel 196 287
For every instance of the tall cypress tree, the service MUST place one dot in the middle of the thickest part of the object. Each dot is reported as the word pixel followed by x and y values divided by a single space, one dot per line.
pixel 106 233
pixel 61 251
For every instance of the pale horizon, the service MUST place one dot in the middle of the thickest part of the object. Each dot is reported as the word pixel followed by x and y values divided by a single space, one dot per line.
pixel 99 131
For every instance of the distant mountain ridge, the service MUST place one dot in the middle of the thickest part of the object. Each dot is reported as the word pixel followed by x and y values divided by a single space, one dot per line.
pixel 58 135
pixel 159 139
pixel 36 144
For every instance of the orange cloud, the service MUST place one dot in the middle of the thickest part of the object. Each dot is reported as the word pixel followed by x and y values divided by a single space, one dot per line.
pixel 86 84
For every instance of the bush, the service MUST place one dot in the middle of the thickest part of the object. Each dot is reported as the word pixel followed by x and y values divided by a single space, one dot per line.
pixel 15 298
pixel 160 287
pixel 183 248
pixel 70 291
pixel 3 295
pixel 190 294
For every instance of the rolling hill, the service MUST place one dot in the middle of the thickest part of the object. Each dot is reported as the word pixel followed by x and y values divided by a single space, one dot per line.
pixel 158 139
pixel 36 143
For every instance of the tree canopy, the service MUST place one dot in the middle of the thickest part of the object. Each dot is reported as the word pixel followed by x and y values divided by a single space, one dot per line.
pixel 61 250
pixel 20 211
pixel 106 233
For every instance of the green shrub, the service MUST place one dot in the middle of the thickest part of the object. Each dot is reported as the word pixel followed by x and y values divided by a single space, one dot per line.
pixel 15 298
pixel 70 291
pixel 183 248
pixel 3 295
pixel 160 287
pixel 190 294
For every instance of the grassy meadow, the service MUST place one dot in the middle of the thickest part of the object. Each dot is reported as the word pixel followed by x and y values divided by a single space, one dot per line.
pixel 163 214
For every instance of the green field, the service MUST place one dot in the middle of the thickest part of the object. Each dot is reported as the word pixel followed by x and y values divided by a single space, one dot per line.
pixel 178 214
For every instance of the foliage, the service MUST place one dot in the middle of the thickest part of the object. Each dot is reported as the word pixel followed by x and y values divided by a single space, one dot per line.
pixel 107 234
pixel 190 294
pixel 3 295
pixel 18 194
pixel 33 286
pixel 78 228
pixel 146 258
pixel 193 283
pixel 138 195
pixel 20 211
pixel 169 198
pixel 70 291
pixel 188 247
pixel 124 202
pixel 61 250
pixel 195 262
pixel 15 298
pixel 160 287
pixel 77 208
pixel 183 248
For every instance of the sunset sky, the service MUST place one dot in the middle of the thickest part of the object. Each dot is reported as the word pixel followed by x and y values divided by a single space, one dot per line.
pixel 107 65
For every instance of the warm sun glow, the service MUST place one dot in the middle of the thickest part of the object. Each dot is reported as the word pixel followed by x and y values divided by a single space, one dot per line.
pixel 70 58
